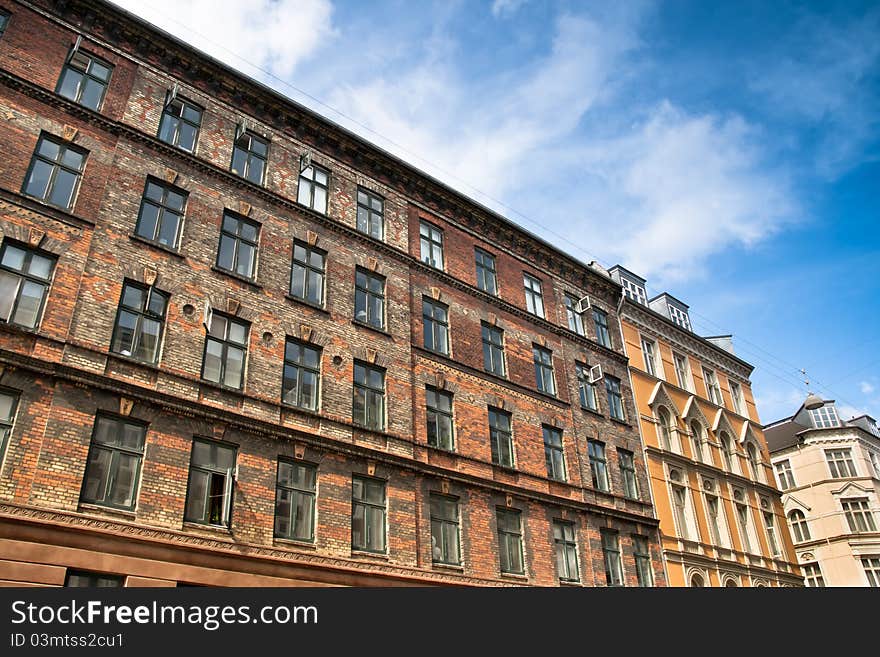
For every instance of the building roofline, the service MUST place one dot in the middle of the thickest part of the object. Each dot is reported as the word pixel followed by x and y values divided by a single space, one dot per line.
pixel 671 296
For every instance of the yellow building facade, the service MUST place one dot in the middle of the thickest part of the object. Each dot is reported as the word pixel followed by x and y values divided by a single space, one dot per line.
pixel 721 517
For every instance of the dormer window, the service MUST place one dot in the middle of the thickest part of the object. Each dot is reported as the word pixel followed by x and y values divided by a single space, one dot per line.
pixel 634 291
pixel 680 317
pixel 825 417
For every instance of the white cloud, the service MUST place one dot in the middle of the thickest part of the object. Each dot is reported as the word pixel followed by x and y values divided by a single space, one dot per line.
pixel 502 8
pixel 866 388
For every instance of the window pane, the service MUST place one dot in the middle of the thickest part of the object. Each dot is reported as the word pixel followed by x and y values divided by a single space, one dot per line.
pixel 91 93
pixel 148 349
pixel 234 367
pixel 125 328
pixel 226 253
pixel 69 83
pixel 8 290
pixel 320 199
pixel 29 301
pixel 168 231
pixel 62 188
pixel 246 253
pixel 213 355
pixel 197 495
pixel 39 179
pixel 97 473
pixel 125 478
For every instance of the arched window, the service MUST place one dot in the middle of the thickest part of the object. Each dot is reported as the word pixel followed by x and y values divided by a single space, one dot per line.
pixel 697 581
pixel 665 432
pixel 727 452
pixel 752 453
pixel 697 437
pixel 800 530
pixel 731 583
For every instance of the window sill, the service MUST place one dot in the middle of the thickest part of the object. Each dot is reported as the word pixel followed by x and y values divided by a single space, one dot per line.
pixel 307 304
pixel 91 507
pixel 243 279
pixel 374 555
pixel 520 577
pixel 443 450
pixel 214 529
pixel 221 387
pixel 448 566
pixel 315 413
pixel 156 245
pixel 372 328
pixel 134 361
pixel 569 582
pixel 620 422
pixel 592 412
pixel 509 469
pixel 361 427
pixel 292 542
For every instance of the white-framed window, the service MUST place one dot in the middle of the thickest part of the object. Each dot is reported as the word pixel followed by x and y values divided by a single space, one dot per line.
pixel 872 570
pixel 682 371
pixel 697 435
pixel 716 521
pixel 713 390
pixel 651 354
pixel 858 514
pixel 680 317
pixel 534 295
pixel 875 463
pixel 784 475
pixel 753 456
pixel 665 430
pixel 825 417
pixel 731 462
pixel 812 575
pixel 770 526
pixel 800 528
pixel 633 291
pixel 739 402
pixel 574 313
pixel 682 506
pixel 840 463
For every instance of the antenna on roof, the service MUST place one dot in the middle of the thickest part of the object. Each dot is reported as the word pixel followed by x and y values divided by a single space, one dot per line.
pixel 813 401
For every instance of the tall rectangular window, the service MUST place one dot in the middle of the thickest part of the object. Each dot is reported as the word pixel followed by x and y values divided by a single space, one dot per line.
pixel 566 551
pixel 180 124
pixel 140 321
pixel 435 321
pixel 84 579
pixel 486 277
pixel 680 509
pixel 368 509
pixel 598 465
pixel 225 351
pixel 500 437
pixel 611 554
pixel 784 475
pixel 510 541
pixel 544 370
pixel 368 405
pixel 736 394
pixel 713 390
pixel 813 575
pixel 840 463
pixel 713 511
pixel 370 214
pixel 307 274
pixel 642 553
pixel 554 455
pixel 431 245
pixel 615 400
pixel 249 156
pixel 573 314
pixel 439 418
pixel 649 353
pixel 586 390
pixel 114 463
pixel 161 214
pixel 445 541
pixel 4 21
pixel 8 406
pixel 600 322
pixel 742 517
pixel 770 525
pixel 55 172
pixel 534 295
pixel 493 349
pixel 25 276
pixel 209 494
pixel 238 245
pixel 626 460
pixel 312 189
pixel 369 299
pixel 859 516
pixel 871 566
pixel 84 79
pixel 682 371
pixel 295 501
pixel 301 380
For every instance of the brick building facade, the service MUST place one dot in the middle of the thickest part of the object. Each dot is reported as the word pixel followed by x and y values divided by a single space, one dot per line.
pixel 242 346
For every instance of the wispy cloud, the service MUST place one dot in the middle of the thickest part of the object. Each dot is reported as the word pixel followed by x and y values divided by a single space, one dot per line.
pixel 502 8
pixel 866 388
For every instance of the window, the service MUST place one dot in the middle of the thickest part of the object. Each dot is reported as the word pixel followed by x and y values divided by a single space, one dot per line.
pixel 813 575
pixel 697 437
pixel 368 405
pixel 114 463
pixel 727 452
pixel 301 379
pixel 770 524
pixel 713 390
pixel 858 515
pixel 312 191
pixel 8 406
pixel 55 172
pixel 4 21
pixel 679 316
pixel 825 417
pixel 872 570
pixel 500 437
pixel 431 241
pixel 295 501
pixel 682 371
pixel 439 418
pixel 369 299
pixel 84 79
pixel 713 513
pixel 25 276
pixel 510 541
pixel 736 394
pixel 680 509
pixel 800 529
pixel 840 463
pixel 544 370
pixel 573 314
pixel 875 463
pixel 161 215
pixel 742 516
pixel 307 273
pixel 238 245
pixel 644 572
pixel 665 423
pixel 586 390
pixel 249 156
pixel 600 321
pixel 368 514
pixel 626 461
pixel 140 321
pixel 566 551
pixel 209 495
pixel 534 298
pixel 445 543
pixel 180 124
pixel 634 291
pixel 649 353
pixel 225 351
pixel 784 475
pixel 598 465
pixel 697 581
pixel 615 401
pixel 493 349
pixel 370 214
pixel 553 453
pixel 81 578
pixel 754 463
pixel 486 280
pixel 611 554
pixel 435 320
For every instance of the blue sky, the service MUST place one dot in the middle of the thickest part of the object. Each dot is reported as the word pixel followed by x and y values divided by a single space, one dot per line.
pixel 727 152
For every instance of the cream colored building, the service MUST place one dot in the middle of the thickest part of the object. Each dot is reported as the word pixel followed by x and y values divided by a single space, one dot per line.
pixel 829 471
